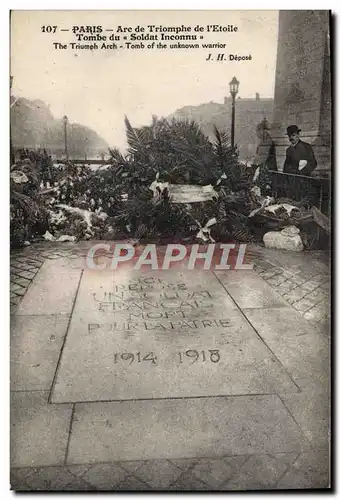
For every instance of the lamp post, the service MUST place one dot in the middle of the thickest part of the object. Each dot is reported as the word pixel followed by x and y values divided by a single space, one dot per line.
pixel 65 120
pixel 234 86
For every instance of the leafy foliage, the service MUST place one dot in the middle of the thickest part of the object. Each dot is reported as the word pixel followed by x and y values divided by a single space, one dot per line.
pixel 179 153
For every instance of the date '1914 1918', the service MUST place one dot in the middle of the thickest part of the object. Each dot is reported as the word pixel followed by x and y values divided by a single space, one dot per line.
pixel 211 355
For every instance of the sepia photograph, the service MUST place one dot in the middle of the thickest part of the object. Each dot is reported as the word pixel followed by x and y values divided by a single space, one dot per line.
pixel 170 250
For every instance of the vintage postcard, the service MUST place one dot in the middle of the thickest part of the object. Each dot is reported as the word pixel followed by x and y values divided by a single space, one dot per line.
pixel 170 230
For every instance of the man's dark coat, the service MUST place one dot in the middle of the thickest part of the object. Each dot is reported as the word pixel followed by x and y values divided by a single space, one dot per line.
pixel 301 151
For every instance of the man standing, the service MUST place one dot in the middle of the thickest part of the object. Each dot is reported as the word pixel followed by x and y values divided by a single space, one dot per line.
pixel 300 158
pixel 265 158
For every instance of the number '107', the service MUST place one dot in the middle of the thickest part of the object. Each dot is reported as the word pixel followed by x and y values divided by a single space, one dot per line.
pixel 49 29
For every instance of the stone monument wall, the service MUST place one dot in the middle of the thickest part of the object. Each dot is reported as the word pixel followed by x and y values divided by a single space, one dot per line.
pixel 303 83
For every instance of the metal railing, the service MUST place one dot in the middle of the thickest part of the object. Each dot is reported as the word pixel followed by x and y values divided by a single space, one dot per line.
pixel 314 191
pixel 83 162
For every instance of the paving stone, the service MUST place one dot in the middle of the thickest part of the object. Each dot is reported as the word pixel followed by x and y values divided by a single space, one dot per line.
pixel 309 276
pixel 325 303
pixel 74 256
pixel 317 295
pixel 105 476
pixel 23 473
pixel 310 470
pixel 39 432
pixel 185 463
pixel 317 313
pixel 131 483
pixel 50 293
pixel 15 288
pixel 303 304
pixel 13 305
pixel 94 289
pixel 46 255
pixel 18 478
pixel 22 266
pixel 50 478
pixel 158 474
pixel 259 265
pixel 290 273
pixel 215 472
pixel 18 280
pixel 171 429
pixel 326 286
pixel 285 287
pixel 269 274
pixel 324 327
pixel 31 261
pixel 310 285
pixel 78 484
pixel 312 413
pixel 131 466
pixel 288 299
pixel 64 264
pixel 299 345
pixel 321 278
pixel 62 253
pixel 277 280
pixel 188 481
pixel 39 258
pixel 299 279
pixel 18 484
pixel 296 294
pixel 29 267
pixel 34 350
pixel 19 258
pixel 260 472
pixel 78 470
pixel 20 291
pixel 249 290
pixel 290 282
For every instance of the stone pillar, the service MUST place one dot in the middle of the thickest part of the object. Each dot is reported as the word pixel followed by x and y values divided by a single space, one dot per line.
pixel 303 83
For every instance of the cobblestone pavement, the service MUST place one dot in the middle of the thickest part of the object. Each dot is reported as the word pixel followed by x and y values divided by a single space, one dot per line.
pixel 22 271
pixel 308 293
pixel 248 472
pixel 304 282
pixel 26 262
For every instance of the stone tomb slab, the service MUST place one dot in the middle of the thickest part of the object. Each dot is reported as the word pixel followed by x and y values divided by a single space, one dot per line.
pixel 173 429
pixel 162 335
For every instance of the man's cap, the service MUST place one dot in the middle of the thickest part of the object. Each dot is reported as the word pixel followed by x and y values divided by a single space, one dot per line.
pixel 263 125
pixel 293 129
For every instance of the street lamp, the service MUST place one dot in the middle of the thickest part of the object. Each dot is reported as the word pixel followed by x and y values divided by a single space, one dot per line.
pixel 65 120
pixel 234 86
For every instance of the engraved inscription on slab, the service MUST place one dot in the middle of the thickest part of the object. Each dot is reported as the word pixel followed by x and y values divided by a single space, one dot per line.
pixel 150 338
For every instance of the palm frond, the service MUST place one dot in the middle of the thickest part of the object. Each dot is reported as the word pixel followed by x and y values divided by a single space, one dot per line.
pixel 221 144
pixel 116 157
pixel 136 139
